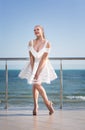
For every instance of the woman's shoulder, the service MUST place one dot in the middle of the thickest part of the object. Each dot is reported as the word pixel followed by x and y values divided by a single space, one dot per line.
pixel 48 45
pixel 30 43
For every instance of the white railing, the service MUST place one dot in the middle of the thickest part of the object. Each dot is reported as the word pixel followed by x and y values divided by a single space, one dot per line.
pixel 51 58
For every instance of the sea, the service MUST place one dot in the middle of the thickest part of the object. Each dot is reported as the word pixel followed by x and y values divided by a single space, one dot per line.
pixel 20 92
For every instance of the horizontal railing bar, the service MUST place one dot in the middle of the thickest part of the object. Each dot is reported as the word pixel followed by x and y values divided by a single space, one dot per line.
pixel 51 58
pixel 14 58
pixel 67 58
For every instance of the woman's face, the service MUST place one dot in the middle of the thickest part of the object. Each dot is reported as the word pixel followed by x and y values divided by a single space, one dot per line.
pixel 37 31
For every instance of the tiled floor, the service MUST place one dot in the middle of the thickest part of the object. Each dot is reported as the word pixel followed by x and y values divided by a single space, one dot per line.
pixel 60 120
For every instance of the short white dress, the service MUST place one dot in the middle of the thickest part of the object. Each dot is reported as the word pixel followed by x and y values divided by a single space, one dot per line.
pixel 46 75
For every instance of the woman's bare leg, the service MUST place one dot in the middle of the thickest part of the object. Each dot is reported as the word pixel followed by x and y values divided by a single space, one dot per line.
pixel 35 97
pixel 45 98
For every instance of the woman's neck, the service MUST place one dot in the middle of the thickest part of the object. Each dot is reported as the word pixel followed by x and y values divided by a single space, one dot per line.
pixel 40 38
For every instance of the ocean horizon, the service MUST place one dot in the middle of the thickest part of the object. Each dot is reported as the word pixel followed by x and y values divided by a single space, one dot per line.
pixel 20 92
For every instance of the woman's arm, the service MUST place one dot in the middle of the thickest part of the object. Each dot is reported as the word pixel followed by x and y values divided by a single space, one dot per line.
pixel 31 56
pixel 42 62
pixel 31 59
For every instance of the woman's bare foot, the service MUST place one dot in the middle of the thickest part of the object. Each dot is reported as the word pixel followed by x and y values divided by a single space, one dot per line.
pixel 35 111
pixel 50 107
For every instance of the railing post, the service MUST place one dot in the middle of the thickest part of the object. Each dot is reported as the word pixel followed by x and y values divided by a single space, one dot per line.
pixel 6 90
pixel 61 85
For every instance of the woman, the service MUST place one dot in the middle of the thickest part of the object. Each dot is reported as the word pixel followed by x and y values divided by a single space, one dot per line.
pixel 39 69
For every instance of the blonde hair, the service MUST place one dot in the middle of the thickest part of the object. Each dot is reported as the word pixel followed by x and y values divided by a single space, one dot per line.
pixel 41 29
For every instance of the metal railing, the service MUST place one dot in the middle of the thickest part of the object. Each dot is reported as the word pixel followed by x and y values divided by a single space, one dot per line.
pixel 51 58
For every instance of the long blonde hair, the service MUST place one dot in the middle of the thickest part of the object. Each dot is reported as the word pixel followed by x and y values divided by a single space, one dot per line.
pixel 41 29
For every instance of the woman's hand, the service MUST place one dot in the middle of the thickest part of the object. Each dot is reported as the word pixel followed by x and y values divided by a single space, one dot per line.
pixel 36 76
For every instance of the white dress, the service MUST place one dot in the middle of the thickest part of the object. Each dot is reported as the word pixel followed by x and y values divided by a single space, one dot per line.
pixel 46 75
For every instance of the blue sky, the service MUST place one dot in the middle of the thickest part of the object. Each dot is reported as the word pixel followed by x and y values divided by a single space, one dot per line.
pixel 63 22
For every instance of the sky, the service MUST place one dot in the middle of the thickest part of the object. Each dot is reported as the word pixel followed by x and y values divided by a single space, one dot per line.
pixel 63 22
